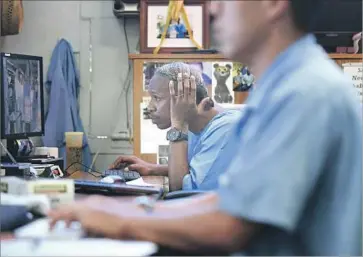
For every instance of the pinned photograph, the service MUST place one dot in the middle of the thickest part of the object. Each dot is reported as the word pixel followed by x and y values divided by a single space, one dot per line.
pixel 163 154
pixel 148 73
pixel 145 110
pixel 222 83
pixel 242 78
pixel 206 69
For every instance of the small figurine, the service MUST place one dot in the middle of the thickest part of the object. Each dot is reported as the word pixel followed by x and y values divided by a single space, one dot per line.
pixel 356 39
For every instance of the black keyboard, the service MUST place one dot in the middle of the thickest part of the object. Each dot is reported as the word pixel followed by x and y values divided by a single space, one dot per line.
pixel 127 175
pixel 87 186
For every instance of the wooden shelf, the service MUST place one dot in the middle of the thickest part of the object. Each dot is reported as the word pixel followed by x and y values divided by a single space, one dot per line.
pixel 176 56
pixel 215 56
pixel 346 56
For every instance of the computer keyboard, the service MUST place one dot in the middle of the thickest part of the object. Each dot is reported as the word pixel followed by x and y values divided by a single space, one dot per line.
pixel 127 175
pixel 114 189
pixel 41 229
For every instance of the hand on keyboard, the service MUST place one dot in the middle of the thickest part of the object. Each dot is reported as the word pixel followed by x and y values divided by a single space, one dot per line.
pixel 126 175
pixel 93 220
pixel 133 163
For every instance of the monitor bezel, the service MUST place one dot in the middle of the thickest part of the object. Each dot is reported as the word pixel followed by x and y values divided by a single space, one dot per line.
pixel 25 57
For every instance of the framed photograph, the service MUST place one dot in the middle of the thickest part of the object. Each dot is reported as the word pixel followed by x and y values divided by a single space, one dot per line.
pixel 153 15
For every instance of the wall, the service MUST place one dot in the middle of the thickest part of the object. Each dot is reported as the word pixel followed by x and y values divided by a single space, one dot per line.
pixel 85 24
pixel 82 23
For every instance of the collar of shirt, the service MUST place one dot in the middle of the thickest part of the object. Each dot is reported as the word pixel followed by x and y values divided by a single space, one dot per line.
pixel 281 66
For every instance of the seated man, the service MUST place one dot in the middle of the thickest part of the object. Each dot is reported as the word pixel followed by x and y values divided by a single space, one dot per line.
pixel 293 180
pixel 196 138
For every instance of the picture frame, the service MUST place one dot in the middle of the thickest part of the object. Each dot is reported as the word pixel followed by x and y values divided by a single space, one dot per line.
pixel 153 14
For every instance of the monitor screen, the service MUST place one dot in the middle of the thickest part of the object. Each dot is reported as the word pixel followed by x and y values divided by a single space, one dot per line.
pixel 22 112
pixel 339 16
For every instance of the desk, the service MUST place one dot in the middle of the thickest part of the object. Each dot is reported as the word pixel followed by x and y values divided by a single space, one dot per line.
pixel 160 181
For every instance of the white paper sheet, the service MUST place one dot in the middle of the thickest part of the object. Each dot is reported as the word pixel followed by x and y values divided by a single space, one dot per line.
pixel 82 247
pixel 355 73
pixel 139 182
pixel 163 154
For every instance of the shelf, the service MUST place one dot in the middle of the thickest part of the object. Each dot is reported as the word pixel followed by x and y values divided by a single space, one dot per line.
pixel 215 56
pixel 346 56
pixel 176 56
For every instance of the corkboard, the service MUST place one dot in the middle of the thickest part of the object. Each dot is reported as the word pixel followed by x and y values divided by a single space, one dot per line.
pixel 138 92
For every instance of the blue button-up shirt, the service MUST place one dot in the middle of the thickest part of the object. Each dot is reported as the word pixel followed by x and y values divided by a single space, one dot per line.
pixel 204 150
pixel 297 158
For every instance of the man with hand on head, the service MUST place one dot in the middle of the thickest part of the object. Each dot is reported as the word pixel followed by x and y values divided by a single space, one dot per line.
pixel 293 179
pixel 196 137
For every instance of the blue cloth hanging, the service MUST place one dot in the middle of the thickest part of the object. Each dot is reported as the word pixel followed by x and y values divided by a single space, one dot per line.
pixel 63 116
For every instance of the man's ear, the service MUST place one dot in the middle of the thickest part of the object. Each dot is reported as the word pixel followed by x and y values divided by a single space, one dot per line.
pixel 275 9
pixel 206 104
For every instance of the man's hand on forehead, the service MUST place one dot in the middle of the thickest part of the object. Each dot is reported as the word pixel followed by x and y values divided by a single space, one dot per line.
pixel 183 98
pixel 184 84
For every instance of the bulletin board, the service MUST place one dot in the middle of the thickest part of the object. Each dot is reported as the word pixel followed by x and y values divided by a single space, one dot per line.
pixel 149 142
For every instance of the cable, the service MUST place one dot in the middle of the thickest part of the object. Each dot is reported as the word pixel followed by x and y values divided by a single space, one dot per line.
pixel 138 45
pixel 7 152
pixel 94 158
pixel 127 78
pixel 126 37
pixel 69 174
pixel 127 83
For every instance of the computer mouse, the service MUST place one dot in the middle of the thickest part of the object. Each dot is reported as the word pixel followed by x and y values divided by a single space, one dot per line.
pixel 112 179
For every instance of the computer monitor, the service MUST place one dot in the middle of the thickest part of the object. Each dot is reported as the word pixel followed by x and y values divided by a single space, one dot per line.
pixel 22 102
pixel 337 22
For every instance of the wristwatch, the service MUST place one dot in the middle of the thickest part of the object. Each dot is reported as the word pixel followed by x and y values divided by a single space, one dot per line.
pixel 175 135
pixel 146 203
